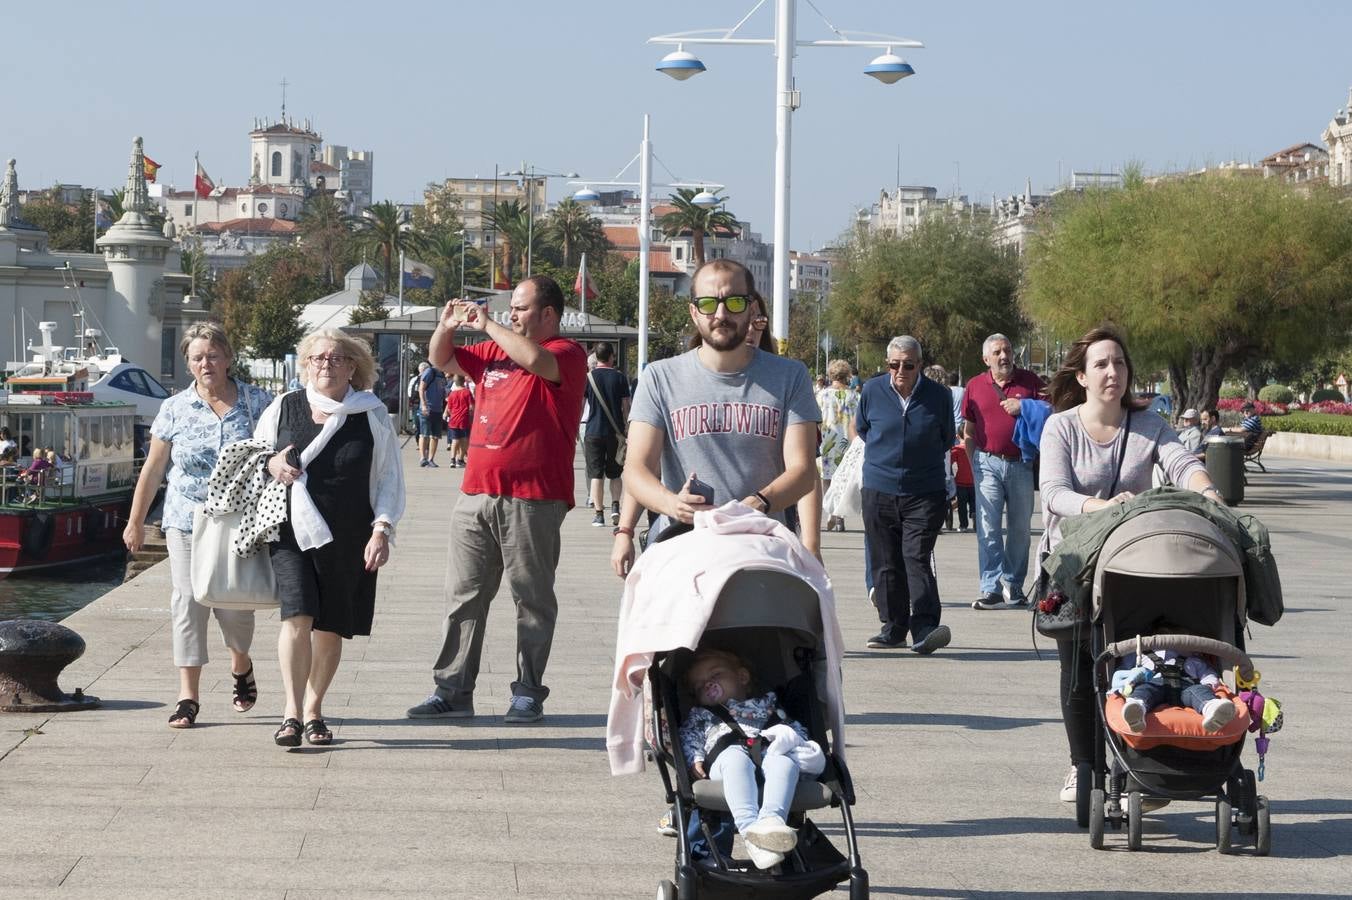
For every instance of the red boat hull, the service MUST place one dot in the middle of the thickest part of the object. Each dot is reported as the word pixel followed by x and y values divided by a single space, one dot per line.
pixel 33 539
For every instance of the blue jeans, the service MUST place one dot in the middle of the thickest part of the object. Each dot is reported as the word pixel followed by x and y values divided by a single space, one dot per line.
pixel 733 767
pixel 1155 695
pixel 1004 486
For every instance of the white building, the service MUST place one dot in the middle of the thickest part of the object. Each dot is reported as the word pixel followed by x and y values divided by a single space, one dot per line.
pixel 131 291
pixel 1338 138
pixel 476 198
pixel 1298 164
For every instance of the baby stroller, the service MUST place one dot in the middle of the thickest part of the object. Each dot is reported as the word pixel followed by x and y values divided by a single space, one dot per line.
pixel 772 620
pixel 1169 569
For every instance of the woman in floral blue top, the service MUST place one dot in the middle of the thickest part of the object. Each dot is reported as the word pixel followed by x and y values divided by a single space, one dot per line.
pixel 191 428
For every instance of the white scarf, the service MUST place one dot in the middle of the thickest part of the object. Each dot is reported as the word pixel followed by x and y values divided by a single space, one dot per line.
pixel 309 526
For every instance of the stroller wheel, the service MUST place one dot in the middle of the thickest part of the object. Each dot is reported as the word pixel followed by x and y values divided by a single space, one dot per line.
pixel 1224 824
pixel 666 890
pixel 1263 820
pixel 1134 820
pixel 1096 818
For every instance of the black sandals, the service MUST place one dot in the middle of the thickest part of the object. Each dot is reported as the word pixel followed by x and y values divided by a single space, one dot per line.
pixel 289 734
pixel 317 733
pixel 246 691
pixel 185 714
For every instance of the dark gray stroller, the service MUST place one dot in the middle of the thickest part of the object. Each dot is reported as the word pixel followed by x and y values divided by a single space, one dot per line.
pixel 772 620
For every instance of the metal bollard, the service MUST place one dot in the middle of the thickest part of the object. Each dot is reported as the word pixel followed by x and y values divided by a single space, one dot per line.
pixel 32 655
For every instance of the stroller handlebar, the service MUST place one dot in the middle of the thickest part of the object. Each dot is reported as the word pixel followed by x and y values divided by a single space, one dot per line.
pixel 1184 643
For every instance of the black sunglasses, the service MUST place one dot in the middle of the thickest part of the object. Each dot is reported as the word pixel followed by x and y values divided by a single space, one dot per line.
pixel 896 364
pixel 709 305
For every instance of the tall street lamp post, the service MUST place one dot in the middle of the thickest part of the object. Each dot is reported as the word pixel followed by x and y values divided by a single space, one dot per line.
pixel 463 237
pixel 590 197
pixel 530 174
pixel 887 68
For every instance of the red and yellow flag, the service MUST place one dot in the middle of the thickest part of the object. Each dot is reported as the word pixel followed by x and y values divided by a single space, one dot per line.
pixel 151 167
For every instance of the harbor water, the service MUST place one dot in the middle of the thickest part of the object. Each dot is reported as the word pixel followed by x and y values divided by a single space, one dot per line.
pixel 53 595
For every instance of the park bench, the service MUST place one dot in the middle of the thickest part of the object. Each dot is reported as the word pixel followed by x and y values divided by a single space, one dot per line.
pixel 1255 453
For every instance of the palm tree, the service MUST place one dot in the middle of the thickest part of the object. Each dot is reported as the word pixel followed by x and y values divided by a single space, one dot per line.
pixel 325 234
pixel 442 251
pixel 697 220
pixel 382 228
pixel 513 227
pixel 576 230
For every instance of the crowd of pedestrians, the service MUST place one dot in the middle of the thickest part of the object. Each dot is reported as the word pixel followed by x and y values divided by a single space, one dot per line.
pixel 727 420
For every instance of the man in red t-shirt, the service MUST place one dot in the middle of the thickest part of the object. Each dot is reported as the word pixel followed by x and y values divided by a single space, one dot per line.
pixel 1004 482
pixel 459 407
pixel 506 522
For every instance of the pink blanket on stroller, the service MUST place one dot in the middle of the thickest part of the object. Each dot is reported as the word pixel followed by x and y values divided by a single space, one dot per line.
pixel 670 594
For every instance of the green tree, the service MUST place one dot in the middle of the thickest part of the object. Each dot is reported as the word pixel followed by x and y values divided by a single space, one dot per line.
pixel 370 308
pixel 513 233
pixel 285 282
pixel 235 299
pixel 946 283
pixel 326 237
pixel 382 228
pixel 192 261
pixel 697 220
pixel 1203 275
pixel 576 231
pixel 65 230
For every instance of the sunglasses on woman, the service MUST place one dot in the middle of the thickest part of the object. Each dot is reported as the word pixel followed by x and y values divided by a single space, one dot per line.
pixel 709 305
pixel 895 364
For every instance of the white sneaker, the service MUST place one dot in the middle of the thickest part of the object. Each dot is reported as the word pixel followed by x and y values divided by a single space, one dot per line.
pixel 1217 714
pixel 1068 789
pixel 1133 713
pixel 763 859
pixel 770 833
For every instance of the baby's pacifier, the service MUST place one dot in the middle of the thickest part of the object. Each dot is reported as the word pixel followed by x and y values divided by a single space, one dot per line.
pixel 710 693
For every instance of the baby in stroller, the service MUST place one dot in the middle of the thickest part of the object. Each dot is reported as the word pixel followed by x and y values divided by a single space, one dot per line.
pixel 1164 678
pixel 725 736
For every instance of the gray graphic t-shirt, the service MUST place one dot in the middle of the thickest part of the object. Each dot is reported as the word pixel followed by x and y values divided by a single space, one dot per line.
pixel 727 428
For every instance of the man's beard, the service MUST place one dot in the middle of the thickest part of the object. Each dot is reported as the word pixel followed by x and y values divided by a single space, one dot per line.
pixel 724 339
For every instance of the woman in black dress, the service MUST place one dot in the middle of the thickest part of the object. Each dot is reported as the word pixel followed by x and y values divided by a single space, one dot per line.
pixel 339 457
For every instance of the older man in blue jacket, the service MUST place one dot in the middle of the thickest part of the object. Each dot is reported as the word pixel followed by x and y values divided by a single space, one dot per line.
pixel 906 422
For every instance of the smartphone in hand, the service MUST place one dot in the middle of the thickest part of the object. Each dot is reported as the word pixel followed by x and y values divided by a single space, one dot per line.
pixel 706 491
pixel 293 457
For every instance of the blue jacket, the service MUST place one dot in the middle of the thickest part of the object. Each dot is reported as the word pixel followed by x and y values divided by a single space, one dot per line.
pixel 1033 414
pixel 905 454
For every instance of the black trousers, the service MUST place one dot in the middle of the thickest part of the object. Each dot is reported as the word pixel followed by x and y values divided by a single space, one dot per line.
pixel 1077 699
pixel 901 530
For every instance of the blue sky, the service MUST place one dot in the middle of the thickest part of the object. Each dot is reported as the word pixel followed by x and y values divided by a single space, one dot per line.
pixel 1003 92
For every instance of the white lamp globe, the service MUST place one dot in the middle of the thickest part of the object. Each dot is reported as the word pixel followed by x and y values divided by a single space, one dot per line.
pixel 889 68
pixel 680 64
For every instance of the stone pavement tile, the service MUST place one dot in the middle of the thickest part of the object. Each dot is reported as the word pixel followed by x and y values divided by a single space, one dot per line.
pixel 633 877
pixel 243 796
pixel 451 820
pixel 373 779
pixel 20 871
pixel 54 815
pixel 209 836
pixel 197 892
pixel 74 775
pixel 354 873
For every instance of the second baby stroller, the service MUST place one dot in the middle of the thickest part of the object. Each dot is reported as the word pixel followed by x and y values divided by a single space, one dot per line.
pixel 1170 579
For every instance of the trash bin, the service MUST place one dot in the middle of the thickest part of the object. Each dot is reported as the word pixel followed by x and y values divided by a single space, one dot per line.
pixel 1225 465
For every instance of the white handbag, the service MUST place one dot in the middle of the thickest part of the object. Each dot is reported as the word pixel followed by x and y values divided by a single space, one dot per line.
pixel 222 579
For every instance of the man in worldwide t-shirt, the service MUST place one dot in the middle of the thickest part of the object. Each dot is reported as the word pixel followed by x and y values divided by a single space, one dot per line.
pixel 741 420
pixel 515 495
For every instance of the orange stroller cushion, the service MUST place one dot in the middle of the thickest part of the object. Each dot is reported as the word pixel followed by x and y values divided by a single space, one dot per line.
pixel 1177 726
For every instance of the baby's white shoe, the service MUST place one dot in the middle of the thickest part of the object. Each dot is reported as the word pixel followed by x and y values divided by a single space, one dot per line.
pixel 770 833
pixel 763 859
pixel 1133 713
pixel 1216 714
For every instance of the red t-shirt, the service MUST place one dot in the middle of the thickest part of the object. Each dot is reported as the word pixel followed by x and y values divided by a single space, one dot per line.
pixel 992 427
pixel 524 425
pixel 962 474
pixel 458 404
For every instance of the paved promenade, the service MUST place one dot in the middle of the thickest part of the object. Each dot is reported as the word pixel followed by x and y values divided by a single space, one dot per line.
pixel 958 757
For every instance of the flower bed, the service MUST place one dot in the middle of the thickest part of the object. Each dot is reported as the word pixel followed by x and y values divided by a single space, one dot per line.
pixel 1328 408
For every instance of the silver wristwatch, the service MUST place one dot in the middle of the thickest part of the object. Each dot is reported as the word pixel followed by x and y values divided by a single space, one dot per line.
pixel 384 528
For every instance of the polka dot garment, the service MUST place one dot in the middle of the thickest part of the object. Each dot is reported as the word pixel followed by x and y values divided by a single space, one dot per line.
pixel 241 483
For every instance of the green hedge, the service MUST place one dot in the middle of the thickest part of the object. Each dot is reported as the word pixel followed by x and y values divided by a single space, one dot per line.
pixel 1325 395
pixel 1233 392
pixel 1276 393
pixel 1309 423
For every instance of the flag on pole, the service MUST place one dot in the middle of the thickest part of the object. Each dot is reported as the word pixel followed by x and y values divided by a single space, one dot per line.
pixel 500 281
pixel 584 279
pixel 417 275
pixel 151 167
pixel 203 183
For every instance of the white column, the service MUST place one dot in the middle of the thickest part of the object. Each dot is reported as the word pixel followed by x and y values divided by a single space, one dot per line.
pixel 784 50
pixel 644 226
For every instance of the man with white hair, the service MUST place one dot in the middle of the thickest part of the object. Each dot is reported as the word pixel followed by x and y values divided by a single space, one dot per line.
pixel 1189 435
pixel 1004 482
pixel 906 422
